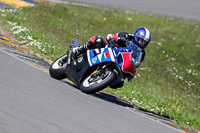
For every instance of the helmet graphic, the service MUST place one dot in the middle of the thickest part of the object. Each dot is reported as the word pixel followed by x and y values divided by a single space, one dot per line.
pixel 142 37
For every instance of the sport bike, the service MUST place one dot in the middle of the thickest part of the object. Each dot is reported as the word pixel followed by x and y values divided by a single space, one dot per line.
pixel 98 68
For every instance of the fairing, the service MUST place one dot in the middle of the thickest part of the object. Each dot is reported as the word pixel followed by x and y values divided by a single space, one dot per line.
pixel 128 66
pixel 124 59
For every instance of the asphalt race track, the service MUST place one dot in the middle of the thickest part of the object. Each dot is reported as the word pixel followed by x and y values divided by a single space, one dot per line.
pixel 32 102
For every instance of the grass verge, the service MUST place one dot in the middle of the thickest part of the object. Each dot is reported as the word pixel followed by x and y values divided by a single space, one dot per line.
pixel 167 83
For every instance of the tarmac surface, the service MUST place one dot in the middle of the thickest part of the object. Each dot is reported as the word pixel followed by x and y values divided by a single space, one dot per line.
pixel 31 101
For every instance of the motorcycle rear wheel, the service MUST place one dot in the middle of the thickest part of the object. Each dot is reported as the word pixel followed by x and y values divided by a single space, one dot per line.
pixel 56 71
pixel 94 83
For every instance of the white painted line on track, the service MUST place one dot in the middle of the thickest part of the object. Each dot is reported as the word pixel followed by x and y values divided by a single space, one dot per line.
pixel 10 54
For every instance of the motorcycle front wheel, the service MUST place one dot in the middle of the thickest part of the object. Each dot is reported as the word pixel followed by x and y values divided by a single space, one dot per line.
pixel 98 80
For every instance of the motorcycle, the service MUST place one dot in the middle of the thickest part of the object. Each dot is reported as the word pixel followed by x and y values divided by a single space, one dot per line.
pixel 98 68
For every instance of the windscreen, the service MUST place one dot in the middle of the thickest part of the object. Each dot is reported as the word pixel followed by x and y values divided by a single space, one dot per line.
pixel 136 51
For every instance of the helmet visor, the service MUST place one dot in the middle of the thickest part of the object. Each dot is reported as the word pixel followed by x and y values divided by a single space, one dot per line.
pixel 142 43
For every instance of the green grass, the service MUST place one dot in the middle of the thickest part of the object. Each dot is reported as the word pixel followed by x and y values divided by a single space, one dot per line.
pixel 167 82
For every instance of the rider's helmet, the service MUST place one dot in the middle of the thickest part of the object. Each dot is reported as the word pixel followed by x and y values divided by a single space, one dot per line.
pixel 142 37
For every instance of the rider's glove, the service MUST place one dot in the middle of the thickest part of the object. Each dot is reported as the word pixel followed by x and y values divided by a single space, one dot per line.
pixel 122 39
pixel 130 36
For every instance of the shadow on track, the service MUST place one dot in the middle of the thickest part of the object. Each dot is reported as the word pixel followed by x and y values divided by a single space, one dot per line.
pixel 112 99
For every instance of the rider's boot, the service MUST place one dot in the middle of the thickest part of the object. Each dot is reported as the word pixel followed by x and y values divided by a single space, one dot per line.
pixel 79 50
pixel 74 52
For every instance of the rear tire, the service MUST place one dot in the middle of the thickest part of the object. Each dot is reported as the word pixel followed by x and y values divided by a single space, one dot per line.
pixel 56 71
pixel 88 86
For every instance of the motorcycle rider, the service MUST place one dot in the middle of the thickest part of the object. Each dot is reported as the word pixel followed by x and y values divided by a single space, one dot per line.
pixel 141 38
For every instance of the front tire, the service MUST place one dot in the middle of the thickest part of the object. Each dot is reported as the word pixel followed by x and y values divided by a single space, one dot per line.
pixel 98 81
pixel 56 71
